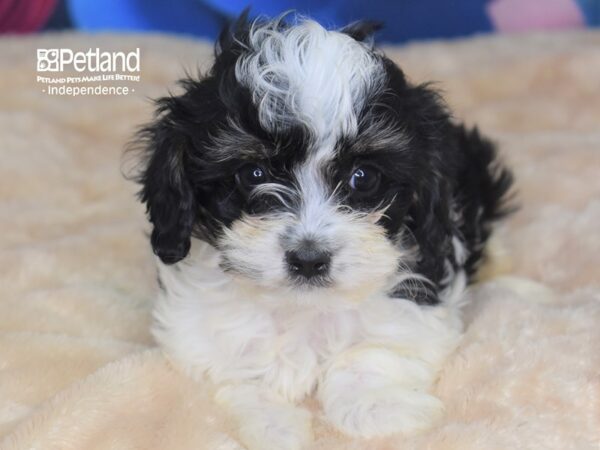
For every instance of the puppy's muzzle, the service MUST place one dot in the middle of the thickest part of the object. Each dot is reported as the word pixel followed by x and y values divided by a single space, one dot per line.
pixel 308 262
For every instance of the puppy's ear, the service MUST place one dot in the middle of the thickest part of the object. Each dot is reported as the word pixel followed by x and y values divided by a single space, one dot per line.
pixel 431 218
pixel 363 30
pixel 433 228
pixel 166 190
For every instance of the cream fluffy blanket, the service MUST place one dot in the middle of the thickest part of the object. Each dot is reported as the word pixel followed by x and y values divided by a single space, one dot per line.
pixel 78 368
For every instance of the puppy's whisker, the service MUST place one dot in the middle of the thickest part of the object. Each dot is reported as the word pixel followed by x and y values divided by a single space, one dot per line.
pixel 379 212
pixel 333 196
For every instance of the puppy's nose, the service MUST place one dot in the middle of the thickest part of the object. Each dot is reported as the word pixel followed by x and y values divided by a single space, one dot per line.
pixel 308 263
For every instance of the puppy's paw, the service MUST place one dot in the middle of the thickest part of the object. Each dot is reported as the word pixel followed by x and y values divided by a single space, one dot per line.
pixel 265 420
pixel 282 428
pixel 383 411
pixel 293 376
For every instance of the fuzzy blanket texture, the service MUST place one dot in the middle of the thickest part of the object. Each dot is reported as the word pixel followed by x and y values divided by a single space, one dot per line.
pixel 78 367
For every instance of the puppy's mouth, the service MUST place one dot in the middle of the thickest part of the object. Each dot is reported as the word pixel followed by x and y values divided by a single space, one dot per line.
pixel 312 283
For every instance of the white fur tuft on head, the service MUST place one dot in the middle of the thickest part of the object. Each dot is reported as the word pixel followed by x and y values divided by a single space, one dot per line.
pixel 308 75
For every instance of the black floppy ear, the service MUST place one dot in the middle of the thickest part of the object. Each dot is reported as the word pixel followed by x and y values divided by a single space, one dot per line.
pixel 166 190
pixel 431 228
pixel 434 228
pixel 362 30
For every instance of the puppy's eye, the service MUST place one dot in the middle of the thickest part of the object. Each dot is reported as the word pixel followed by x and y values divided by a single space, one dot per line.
pixel 365 180
pixel 251 175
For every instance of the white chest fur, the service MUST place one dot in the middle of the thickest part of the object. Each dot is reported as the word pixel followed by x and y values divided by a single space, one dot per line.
pixel 210 323
pixel 290 344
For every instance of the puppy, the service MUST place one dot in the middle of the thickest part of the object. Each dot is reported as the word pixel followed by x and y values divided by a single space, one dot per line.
pixel 316 218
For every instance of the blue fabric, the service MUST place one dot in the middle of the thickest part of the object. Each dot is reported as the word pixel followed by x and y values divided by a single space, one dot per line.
pixel 591 11
pixel 174 16
pixel 403 19
pixel 420 19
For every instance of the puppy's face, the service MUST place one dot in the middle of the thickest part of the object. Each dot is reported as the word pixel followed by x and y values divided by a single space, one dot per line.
pixel 301 157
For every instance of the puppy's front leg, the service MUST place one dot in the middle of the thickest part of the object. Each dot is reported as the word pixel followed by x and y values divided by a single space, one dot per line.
pixel 373 390
pixel 265 419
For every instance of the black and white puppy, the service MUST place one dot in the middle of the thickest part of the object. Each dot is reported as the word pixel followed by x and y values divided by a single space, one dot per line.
pixel 316 218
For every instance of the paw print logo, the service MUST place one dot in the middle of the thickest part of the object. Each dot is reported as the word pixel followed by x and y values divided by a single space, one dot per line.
pixel 47 60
